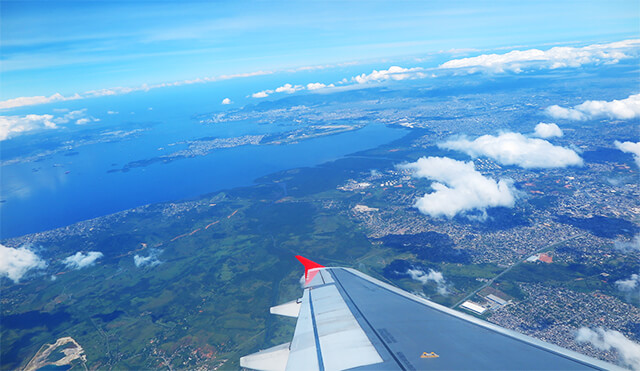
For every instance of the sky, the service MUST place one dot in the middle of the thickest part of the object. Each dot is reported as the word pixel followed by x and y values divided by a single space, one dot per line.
pixel 70 47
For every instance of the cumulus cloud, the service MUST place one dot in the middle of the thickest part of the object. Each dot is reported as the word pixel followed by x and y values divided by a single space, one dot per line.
pixel 11 126
pixel 393 73
pixel 112 112
pixel 632 284
pixel 557 57
pixel 151 260
pixel 226 101
pixel 15 263
pixel 630 147
pixel 628 246
pixel 40 99
pixel 624 109
pixel 543 130
pixel 262 94
pixel 516 149
pixel 628 351
pixel 289 89
pixel 433 276
pixel 286 88
pixel 318 85
pixel 81 260
pixel 79 117
pixel 458 188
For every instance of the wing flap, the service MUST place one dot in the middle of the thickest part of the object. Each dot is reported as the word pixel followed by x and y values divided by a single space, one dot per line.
pixel 272 359
pixel 289 309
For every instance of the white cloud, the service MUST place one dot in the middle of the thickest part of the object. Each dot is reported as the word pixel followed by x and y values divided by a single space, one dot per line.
pixel 318 85
pixel 557 57
pixel 286 88
pixel 393 73
pixel 516 149
pixel 458 187
pixel 628 246
pixel 15 263
pixel 630 147
pixel 151 260
pixel 628 350
pixel 226 101
pixel 118 90
pixel 262 94
pixel 558 112
pixel 543 130
pixel 289 89
pixel 631 284
pixel 81 260
pixel 11 126
pixel 624 109
pixel 434 276
pixel 112 112
pixel 30 101
pixel 79 116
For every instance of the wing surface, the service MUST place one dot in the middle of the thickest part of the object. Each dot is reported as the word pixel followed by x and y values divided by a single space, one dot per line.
pixel 348 320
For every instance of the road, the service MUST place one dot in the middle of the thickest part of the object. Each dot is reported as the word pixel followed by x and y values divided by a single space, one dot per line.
pixel 491 281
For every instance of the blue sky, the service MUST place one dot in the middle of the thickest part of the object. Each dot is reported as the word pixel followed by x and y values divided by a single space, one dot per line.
pixel 70 47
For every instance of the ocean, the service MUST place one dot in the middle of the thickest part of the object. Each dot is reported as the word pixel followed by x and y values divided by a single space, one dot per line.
pixel 75 184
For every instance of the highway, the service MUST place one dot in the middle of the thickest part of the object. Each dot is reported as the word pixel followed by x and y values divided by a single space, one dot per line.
pixel 491 281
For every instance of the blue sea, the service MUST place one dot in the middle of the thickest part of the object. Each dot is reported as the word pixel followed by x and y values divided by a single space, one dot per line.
pixel 75 184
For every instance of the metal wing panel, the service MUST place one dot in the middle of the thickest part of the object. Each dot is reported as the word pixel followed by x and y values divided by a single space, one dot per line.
pixel 343 344
pixel 411 327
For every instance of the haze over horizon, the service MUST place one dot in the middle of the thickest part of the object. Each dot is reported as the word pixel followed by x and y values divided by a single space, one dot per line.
pixel 75 47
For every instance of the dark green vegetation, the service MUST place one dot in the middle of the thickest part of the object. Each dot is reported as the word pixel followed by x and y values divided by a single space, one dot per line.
pixel 602 155
pixel 500 218
pixel 429 246
pixel 576 277
pixel 211 292
pixel 601 226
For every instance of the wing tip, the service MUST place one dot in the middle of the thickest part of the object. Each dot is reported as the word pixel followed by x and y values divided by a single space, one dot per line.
pixel 308 265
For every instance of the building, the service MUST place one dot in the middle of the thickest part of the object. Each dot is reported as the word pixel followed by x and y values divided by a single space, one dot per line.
pixel 474 307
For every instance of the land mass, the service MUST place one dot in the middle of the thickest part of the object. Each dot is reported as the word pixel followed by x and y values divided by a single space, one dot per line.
pixel 204 146
pixel 225 258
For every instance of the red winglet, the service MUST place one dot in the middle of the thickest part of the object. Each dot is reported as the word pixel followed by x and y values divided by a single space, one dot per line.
pixel 308 265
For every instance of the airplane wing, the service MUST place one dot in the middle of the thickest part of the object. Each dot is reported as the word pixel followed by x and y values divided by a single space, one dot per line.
pixel 348 320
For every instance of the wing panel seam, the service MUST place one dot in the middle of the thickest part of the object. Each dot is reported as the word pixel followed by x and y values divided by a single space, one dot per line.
pixel 315 333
